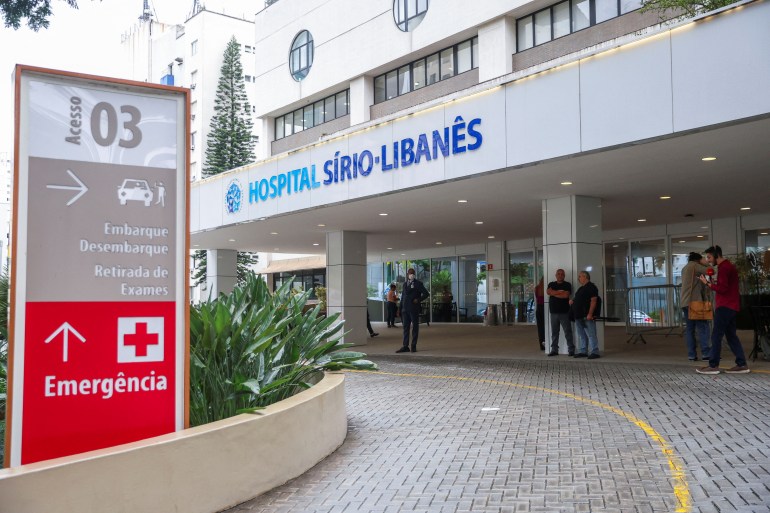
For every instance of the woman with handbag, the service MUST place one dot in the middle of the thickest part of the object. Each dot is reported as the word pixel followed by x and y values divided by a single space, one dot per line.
pixel 696 307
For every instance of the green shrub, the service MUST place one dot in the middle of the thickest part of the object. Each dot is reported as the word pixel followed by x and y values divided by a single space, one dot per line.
pixel 253 348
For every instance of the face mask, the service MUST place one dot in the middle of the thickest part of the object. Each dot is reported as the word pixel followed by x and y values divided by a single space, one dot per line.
pixel 411 276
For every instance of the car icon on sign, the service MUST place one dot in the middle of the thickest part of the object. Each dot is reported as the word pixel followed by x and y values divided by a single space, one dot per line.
pixel 135 190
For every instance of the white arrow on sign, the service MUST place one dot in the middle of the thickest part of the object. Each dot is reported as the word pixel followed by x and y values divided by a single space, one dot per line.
pixel 65 328
pixel 80 187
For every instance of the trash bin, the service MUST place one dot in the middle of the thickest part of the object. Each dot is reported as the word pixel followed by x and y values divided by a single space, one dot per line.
pixel 506 313
pixel 492 315
pixel 521 308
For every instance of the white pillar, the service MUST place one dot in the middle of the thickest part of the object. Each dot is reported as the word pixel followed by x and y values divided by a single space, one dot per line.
pixel 497 44
pixel 221 272
pixel 572 240
pixel 497 277
pixel 346 282
pixel 361 98
pixel 265 147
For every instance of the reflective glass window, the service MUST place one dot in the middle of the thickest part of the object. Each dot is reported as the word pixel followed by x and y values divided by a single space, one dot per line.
pixel 418 74
pixel 409 13
pixel 464 61
pixel 629 5
pixel 561 19
pixel 342 104
pixel 288 124
pixel 543 27
pixel 279 134
pixel 431 69
pixel 447 63
pixel 379 89
pixel 298 125
pixel 318 112
pixel 301 55
pixel 329 108
pixel 524 33
pixel 581 15
pixel 391 84
pixel 605 10
pixel 307 117
pixel 404 80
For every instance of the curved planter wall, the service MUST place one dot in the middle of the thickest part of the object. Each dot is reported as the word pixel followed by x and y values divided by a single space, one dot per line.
pixel 199 470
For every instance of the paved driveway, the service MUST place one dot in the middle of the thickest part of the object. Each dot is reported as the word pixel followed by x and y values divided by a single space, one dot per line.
pixel 555 435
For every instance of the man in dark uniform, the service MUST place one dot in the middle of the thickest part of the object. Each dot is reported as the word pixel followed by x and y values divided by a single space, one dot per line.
pixel 412 295
pixel 558 308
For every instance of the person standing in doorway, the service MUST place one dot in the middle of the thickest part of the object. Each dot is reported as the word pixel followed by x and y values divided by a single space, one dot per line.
pixel 372 333
pixel 412 295
pixel 728 305
pixel 693 289
pixel 540 313
pixel 392 305
pixel 585 308
pixel 559 292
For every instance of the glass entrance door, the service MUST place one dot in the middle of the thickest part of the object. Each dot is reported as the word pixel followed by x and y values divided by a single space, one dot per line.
pixel 472 288
pixel 522 273
pixel 616 280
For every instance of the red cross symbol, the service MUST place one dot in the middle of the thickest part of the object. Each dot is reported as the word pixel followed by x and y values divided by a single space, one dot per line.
pixel 141 339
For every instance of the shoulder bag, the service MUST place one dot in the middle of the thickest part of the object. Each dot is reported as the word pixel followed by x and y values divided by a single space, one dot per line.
pixel 701 310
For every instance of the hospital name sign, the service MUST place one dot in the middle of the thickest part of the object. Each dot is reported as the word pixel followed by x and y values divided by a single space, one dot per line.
pixel 456 139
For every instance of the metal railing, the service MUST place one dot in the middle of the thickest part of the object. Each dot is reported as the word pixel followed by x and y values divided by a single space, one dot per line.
pixel 652 308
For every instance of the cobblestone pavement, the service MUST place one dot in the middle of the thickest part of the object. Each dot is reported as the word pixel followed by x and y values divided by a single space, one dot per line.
pixel 441 444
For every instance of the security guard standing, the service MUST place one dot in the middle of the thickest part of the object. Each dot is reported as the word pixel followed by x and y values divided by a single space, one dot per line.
pixel 412 295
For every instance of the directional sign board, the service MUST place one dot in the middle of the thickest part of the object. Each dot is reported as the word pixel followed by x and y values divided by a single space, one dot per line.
pixel 99 270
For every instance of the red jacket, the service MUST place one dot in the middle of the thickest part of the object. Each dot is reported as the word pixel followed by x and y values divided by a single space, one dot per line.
pixel 726 287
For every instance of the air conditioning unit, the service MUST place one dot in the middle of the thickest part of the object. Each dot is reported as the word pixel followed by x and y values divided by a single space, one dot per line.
pixel 192 86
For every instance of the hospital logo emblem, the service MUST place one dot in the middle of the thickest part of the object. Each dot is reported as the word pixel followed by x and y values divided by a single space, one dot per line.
pixel 234 197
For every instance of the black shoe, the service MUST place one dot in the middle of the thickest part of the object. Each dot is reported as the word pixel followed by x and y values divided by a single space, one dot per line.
pixel 593 356
pixel 553 353
pixel 572 353
pixel 414 349
pixel 542 346
pixel 404 349
pixel 581 355
pixel 373 334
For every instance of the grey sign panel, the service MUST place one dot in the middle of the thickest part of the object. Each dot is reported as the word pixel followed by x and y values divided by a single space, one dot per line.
pixel 114 242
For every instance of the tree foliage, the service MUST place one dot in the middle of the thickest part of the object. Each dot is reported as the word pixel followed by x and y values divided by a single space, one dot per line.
pixel 36 12
pixel 244 262
pixel 683 8
pixel 229 143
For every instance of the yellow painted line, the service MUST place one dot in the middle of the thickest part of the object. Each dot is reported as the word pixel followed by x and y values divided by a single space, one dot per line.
pixel 675 464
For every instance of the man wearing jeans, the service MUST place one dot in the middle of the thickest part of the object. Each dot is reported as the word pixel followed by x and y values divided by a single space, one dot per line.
pixel 693 290
pixel 558 307
pixel 727 306
pixel 585 307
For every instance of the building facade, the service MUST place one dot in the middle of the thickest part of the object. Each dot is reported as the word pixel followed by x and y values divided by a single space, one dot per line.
pixel 491 146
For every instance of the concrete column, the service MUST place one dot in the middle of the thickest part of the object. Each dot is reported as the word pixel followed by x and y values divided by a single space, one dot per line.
pixel 361 98
pixel 346 282
pixel 221 272
pixel 497 44
pixel 497 277
pixel 265 146
pixel 572 240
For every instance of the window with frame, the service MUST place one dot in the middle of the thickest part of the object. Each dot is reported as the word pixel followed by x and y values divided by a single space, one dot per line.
pixel 194 47
pixel 566 17
pixel 301 55
pixel 302 280
pixel 313 114
pixel 408 14
pixel 444 64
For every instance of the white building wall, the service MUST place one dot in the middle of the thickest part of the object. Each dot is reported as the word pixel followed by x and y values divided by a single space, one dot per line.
pixel 6 198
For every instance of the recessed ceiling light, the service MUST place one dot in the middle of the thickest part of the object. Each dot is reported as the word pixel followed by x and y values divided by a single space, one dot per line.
pixel 665 197
pixel 745 208
pixel 321 225
pixel 196 245
pixel 403 254
pixel 491 237
pixel 315 244
pixel 682 241
pixel 389 248
pixel 708 159
pixel 462 201
pixel 594 226
pixel 412 231
pixel 566 183
pixel 230 240
pixel 700 236
pixel 383 214
pixel 273 233
pixel 276 249
pixel 479 222
pixel 615 246
pixel 641 220
pixel 439 243
pixel 763 233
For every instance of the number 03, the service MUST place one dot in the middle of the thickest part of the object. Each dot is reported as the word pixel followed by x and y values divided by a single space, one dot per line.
pixel 112 125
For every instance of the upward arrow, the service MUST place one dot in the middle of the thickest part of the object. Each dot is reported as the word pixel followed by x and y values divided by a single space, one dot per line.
pixel 79 187
pixel 65 328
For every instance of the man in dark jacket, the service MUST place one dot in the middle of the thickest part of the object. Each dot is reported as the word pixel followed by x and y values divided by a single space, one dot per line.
pixel 412 295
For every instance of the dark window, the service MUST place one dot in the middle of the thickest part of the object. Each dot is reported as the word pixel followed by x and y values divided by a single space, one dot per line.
pixel 302 280
pixel 314 114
